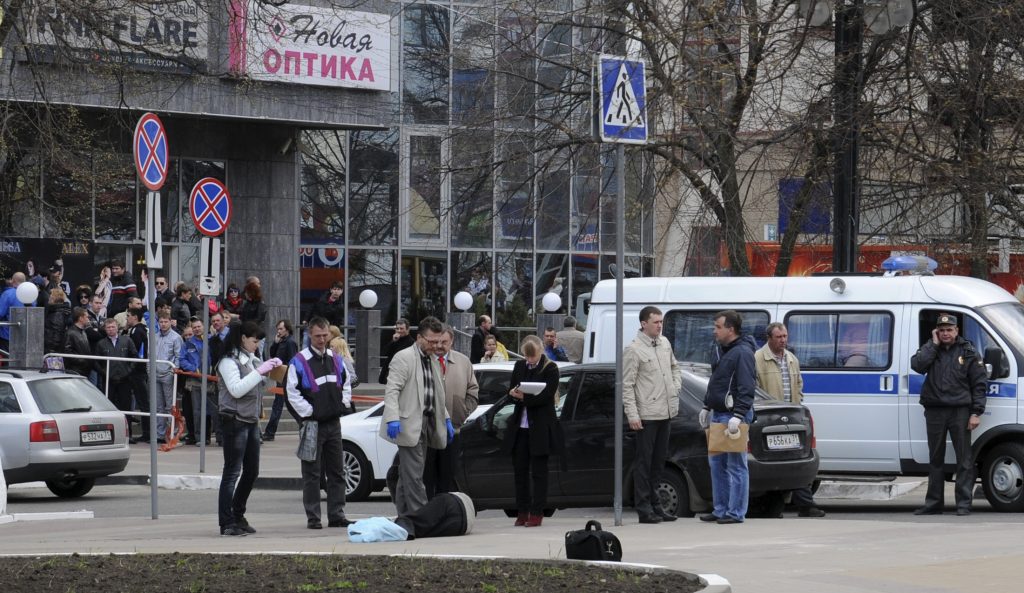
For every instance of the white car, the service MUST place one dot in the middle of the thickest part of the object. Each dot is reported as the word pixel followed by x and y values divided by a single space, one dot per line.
pixel 367 457
pixel 59 429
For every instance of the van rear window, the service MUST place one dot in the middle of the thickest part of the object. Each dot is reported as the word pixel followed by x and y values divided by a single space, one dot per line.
pixel 841 340
pixel 692 332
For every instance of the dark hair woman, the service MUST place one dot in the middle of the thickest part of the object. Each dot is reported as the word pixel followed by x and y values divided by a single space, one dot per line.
pixel 533 430
pixel 232 302
pixel 253 308
pixel 240 391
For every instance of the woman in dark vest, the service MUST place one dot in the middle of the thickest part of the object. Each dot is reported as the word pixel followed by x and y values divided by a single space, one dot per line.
pixel 240 390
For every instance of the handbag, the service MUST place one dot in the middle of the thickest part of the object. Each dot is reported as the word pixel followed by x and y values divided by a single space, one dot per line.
pixel 719 441
pixel 307 441
pixel 592 543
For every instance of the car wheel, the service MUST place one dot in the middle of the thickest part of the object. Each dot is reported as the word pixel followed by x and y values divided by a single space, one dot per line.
pixel 673 494
pixel 1002 477
pixel 71 488
pixel 358 473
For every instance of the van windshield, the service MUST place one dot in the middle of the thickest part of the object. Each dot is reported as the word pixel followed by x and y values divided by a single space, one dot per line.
pixel 1008 318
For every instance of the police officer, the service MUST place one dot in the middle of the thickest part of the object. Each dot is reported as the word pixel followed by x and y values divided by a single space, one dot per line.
pixel 953 397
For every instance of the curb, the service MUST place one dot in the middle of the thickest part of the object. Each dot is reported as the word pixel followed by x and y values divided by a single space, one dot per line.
pixel 196 482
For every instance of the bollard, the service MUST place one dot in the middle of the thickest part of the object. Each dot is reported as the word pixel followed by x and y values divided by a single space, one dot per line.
pixel 464 325
pixel 4 517
pixel 27 336
pixel 368 344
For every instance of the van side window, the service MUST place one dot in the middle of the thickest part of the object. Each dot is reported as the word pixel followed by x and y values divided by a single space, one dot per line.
pixel 841 340
pixel 692 332
pixel 8 400
pixel 968 327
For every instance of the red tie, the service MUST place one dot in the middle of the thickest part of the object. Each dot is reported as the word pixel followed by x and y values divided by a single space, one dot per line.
pixel 440 359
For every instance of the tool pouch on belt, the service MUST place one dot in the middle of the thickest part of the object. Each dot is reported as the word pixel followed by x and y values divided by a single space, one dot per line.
pixel 592 543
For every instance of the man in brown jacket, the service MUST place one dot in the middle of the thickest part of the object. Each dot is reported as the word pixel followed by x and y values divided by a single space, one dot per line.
pixel 778 374
pixel 460 399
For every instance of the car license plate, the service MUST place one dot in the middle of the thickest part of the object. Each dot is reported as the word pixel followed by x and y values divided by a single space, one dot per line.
pixel 783 441
pixel 96 434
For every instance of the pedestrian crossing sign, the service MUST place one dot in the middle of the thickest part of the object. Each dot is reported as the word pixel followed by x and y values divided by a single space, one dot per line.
pixel 623 101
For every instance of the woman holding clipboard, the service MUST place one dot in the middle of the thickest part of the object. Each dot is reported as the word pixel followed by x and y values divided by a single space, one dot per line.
pixel 533 432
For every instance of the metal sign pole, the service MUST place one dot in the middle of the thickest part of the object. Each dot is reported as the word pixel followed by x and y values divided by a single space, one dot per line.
pixel 620 215
pixel 205 368
pixel 151 345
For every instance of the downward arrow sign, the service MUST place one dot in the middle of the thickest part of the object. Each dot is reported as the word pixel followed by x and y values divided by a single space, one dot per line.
pixel 154 243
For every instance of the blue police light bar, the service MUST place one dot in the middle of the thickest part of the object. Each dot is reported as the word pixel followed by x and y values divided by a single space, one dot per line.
pixel 916 264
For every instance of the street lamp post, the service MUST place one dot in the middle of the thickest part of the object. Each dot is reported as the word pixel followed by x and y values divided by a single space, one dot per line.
pixel 851 16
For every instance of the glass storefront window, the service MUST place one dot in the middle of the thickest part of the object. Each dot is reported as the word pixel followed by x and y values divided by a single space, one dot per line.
pixel 552 276
pixel 19 195
pixel 553 209
pixel 373 188
pixel 586 193
pixel 373 269
pixel 424 285
pixel 516 91
pixel 472 273
pixel 513 289
pixel 424 213
pixel 425 51
pixel 320 266
pixel 322 207
pixel 515 204
pixel 171 202
pixel 584 277
pixel 472 190
pixel 115 197
pixel 472 67
pixel 67 197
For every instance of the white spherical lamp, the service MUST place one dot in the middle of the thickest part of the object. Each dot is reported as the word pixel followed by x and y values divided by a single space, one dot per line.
pixel 27 293
pixel 463 300
pixel 552 302
pixel 368 299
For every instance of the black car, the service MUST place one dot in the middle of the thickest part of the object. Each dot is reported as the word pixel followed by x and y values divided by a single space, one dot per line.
pixel 781 457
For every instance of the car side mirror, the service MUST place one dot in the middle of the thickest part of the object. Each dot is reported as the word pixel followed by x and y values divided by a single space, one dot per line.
pixel 996 363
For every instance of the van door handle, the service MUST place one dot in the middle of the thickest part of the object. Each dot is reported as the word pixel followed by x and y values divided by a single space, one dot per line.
pixel 885 383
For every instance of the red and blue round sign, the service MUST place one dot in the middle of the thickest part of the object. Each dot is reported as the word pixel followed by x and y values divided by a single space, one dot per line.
pixel 149 146
pixel 210 206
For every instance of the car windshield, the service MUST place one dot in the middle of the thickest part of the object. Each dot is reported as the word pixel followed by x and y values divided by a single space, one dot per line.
pixel 67 395
pixel 1007 315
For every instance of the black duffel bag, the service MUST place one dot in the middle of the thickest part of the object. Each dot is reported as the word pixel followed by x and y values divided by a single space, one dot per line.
pixel 592 543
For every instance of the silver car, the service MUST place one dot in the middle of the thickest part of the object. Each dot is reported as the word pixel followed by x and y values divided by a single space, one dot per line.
pixel 59 429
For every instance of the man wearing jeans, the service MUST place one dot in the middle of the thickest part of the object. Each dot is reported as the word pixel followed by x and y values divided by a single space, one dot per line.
pixel 730 400
pixel 168 347
pixel 650 397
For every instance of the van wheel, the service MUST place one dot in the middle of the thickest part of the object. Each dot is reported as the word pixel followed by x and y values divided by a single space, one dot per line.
pixel 673 494
pixel 1002 477
pixel 71 488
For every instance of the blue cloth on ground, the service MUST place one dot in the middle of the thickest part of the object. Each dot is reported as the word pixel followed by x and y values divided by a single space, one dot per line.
pixel 376 529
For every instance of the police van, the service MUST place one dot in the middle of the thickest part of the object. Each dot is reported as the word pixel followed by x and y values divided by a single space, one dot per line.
pixel 854 336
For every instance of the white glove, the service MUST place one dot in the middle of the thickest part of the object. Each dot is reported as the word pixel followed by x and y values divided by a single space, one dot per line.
pixel 704 417
pixel 734 425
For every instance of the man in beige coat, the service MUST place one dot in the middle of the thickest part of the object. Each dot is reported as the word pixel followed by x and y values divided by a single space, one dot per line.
pixel 778 374
pixel 650 395
pixel 460 399
pixel 415 416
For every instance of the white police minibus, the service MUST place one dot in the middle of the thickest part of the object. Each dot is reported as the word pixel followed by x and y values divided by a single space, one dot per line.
pixel 854 336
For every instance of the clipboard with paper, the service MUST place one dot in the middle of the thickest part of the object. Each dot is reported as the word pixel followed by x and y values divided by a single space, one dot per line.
pixel 532 387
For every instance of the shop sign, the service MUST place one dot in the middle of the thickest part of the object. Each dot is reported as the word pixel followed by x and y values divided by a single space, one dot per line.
pixel 310 45
pixel 168 36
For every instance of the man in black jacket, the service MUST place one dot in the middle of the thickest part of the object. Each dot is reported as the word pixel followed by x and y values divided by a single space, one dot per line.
pixel 118 383
pixel 139 334
pixel 400 340
pixel 319 390
pixel 730 400
pixel 78 343
pixel 953 396
pixel 331 305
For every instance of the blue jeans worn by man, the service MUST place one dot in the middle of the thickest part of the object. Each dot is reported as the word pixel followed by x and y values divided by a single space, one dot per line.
pixel 730 479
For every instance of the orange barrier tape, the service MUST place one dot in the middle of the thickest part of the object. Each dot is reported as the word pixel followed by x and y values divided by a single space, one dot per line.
pixel 179 429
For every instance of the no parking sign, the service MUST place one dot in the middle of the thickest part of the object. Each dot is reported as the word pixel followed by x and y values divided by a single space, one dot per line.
pixel 149 147
pixel 210 206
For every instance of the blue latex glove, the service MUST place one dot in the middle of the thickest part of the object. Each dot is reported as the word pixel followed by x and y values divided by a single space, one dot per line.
pixel 394 427
pixel 451 429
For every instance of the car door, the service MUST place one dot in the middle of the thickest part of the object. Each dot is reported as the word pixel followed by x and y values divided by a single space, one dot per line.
pixel 13 428
pixel 588 421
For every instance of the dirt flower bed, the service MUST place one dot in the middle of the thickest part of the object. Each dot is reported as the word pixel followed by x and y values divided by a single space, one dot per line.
pixel 230 573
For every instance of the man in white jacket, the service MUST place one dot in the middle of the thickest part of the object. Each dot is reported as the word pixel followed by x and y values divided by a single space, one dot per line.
pixel 650 395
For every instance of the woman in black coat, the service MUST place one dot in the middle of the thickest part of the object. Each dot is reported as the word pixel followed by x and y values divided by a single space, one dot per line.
pixel 533 431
